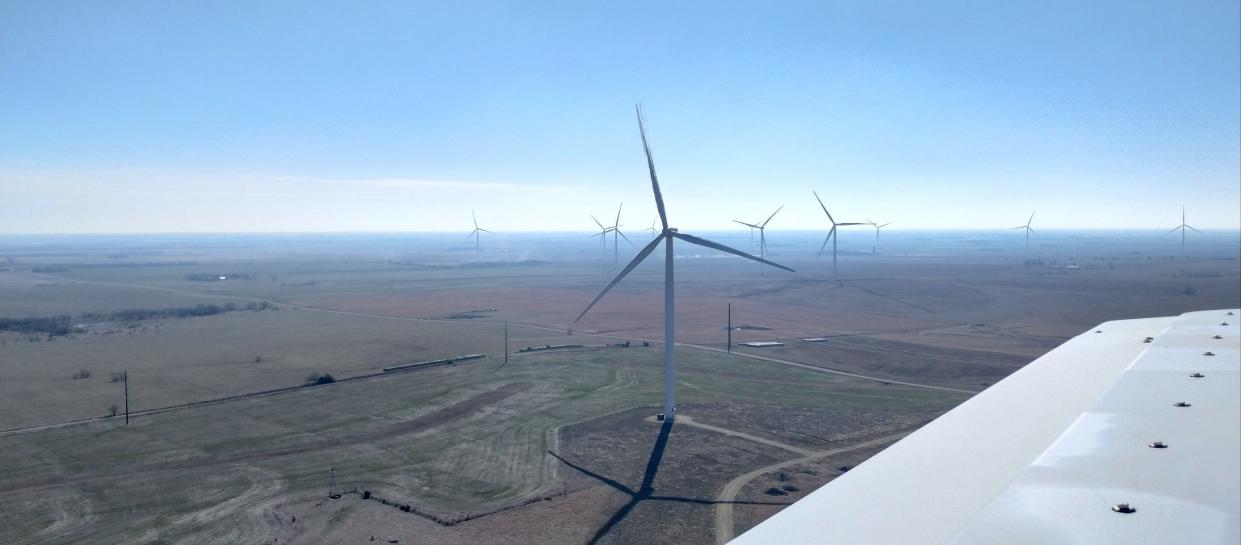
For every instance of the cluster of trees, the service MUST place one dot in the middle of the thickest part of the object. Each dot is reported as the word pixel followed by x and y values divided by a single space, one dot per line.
pixel 63 325
pixel 50 268
pixel 316 378
pixel 139 314
pixel 55 325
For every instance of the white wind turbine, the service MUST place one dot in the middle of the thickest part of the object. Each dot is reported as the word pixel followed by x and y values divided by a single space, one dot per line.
pixel 1027 228
pixel 1182 227
pixel 762 235
pixel 615 228
pixel 476 231
pixel 667 236
pixel 877 226
pixel 832 234
pixel 602 234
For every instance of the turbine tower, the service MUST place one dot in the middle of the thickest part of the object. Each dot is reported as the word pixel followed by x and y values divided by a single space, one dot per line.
pixel 762 235
pixel 1028 229
pixel 476 231
pixel 667 236
pixel 615 228
pixel 831 235
pixel 875 248
pixel 1182 227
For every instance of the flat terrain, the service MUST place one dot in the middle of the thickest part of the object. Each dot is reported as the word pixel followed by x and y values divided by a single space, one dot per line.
pixel 451 441
pixel 552 447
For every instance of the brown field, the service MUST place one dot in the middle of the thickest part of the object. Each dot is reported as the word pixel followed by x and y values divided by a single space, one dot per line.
pixel 554 447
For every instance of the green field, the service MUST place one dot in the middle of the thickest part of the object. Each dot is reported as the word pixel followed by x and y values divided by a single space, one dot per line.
pixel 214 472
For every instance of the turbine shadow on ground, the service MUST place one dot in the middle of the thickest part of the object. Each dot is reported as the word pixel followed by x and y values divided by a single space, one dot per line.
pixel 646 491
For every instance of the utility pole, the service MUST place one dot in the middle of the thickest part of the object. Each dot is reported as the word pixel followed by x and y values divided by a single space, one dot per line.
pixel 125 379
pixel 331 487
pixel 730 327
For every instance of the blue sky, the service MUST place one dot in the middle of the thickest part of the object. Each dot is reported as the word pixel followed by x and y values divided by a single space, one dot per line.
pixel 155 116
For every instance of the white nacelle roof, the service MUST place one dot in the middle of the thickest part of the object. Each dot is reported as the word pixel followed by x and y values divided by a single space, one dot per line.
pixel 1042 456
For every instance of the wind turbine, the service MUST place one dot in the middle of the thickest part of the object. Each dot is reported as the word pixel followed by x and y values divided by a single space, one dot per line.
pixel 762 235
pixel 1028 229
pixel 1182 227
pixel 832 235
pixel 875 248
pixel 667 236
pixel 652 228
pixel 615 228
pixel 476 231
pixel 602 234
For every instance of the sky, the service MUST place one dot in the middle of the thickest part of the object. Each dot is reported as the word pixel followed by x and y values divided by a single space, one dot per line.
pixel 238 116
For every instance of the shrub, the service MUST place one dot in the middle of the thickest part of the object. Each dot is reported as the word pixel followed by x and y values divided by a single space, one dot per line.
pixel 316 378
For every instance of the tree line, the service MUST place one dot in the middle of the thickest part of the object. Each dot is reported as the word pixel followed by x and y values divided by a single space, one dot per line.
pixel 63 325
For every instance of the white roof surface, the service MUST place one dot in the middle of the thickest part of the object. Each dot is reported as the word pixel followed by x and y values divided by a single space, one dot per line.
pixel 1042 456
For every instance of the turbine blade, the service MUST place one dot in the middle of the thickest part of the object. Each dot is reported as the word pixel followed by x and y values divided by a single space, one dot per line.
pixel 472 215
pixel 871 222
pixel 750 225
pixel 1031 220
pixel 824 246
pixel 717 246
pixel 1173 230
pixel 1194 230
pixel 829 214
pixel 484 230
pixel 850 223
pixel 472 233
pixel 618 211
pixel 628 268
pixel 1031 230
pixel 622 234
pixel 773 214
pixel 650 165
pixel 592 216
pixel 885 225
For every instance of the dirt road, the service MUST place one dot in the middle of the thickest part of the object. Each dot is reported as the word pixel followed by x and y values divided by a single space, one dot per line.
pixel 724 509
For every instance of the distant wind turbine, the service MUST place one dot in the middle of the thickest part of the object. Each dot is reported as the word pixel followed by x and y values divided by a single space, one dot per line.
pixel 602 234
pixel 875 248
pixel 832 234
pixel 476 231
pixel 1182 227
pixel 667 236
pixel 615 228
pixel 1027 228
pixel 762 235
pixel 652 228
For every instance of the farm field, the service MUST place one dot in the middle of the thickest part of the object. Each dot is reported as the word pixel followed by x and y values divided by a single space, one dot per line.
pixel 451 441
pixel 552 447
